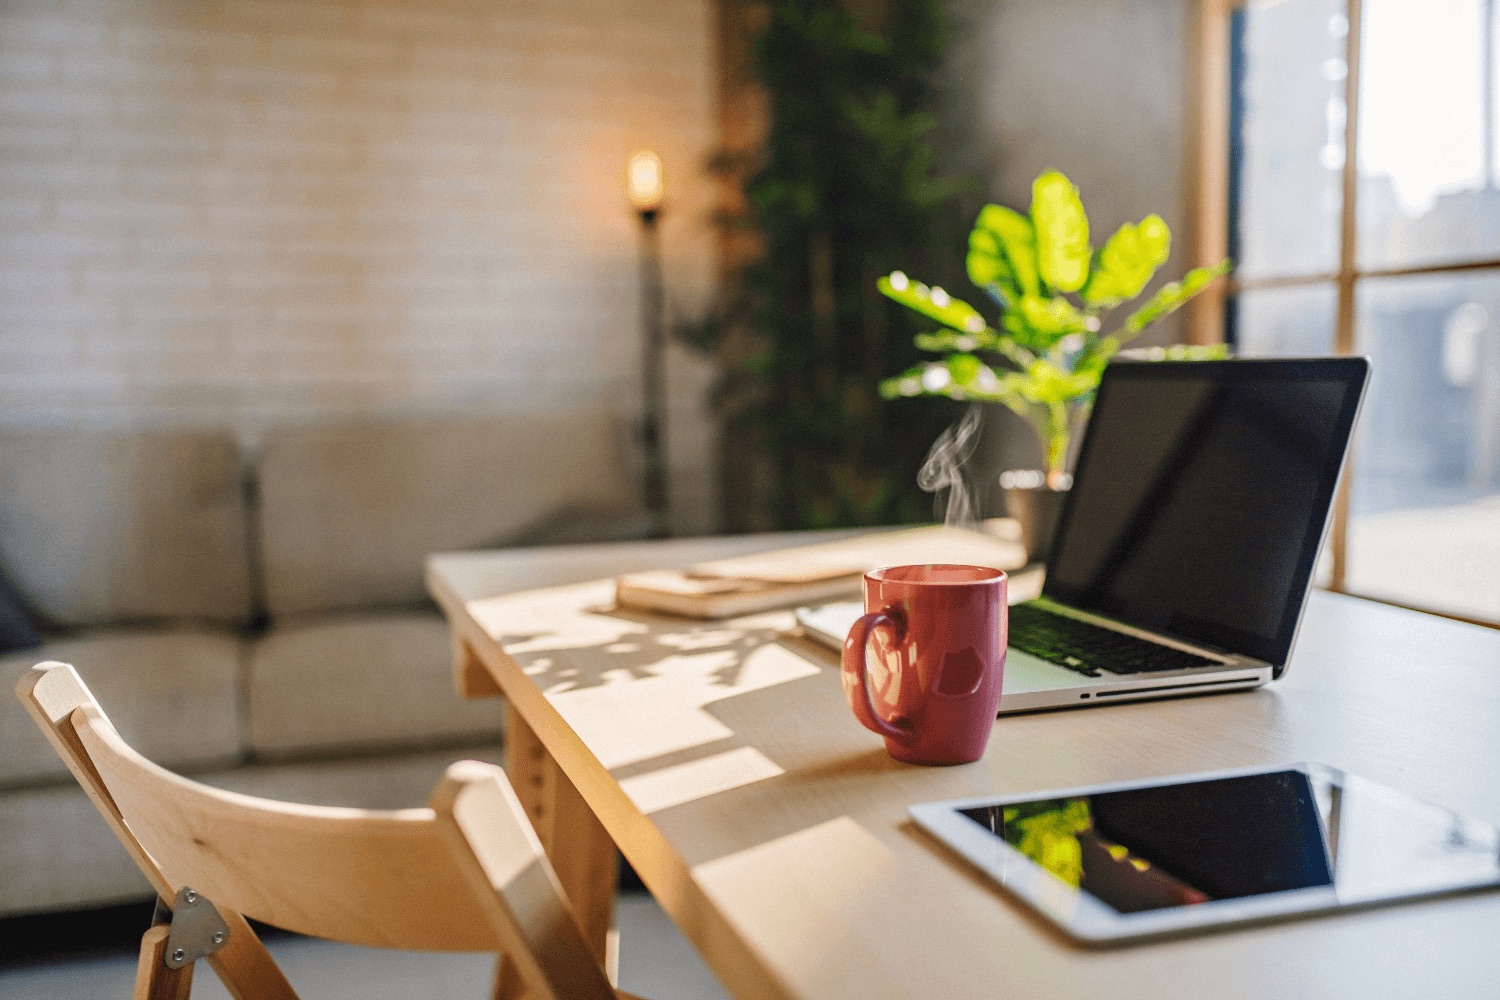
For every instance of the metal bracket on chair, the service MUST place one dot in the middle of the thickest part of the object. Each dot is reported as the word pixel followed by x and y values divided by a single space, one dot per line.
pixel 197 929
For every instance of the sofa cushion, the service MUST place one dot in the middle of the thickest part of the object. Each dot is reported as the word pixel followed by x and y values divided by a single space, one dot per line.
pixel 100 527
pixel 349 512
pixel 57 853
pixel 172 693
pixel 359 682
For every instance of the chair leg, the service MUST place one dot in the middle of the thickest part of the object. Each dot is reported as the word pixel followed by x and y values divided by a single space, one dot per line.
pixel 508 982
pixel 153 980
pixel 245 967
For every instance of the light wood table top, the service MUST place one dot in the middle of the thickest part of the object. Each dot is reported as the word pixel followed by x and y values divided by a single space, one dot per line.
pixel 721 758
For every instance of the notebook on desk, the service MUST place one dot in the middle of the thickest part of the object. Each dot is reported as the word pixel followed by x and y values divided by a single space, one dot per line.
pixel 1186 546
pixel 807 573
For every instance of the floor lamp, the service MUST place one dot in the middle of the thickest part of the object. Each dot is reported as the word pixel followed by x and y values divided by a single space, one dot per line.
pixel 645 187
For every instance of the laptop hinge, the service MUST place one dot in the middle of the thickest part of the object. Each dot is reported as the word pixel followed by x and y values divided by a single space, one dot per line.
pixel 1160 638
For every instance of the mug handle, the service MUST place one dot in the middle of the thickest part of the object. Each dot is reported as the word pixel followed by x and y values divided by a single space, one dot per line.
pixel 857 677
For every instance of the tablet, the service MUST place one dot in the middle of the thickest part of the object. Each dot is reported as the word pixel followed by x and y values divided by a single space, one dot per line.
pixel 1136 860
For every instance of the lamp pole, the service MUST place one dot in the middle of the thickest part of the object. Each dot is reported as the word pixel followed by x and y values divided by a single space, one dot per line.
pixel 644 183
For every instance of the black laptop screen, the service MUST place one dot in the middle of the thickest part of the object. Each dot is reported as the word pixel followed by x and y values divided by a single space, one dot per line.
pixel 1200 496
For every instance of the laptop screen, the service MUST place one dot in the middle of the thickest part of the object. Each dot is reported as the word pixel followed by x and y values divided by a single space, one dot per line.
pixel 1200 497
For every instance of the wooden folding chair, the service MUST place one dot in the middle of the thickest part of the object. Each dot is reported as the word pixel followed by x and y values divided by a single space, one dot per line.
pixel 465 874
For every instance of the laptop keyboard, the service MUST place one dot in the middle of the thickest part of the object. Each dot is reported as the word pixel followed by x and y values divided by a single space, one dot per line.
pixel 1087 649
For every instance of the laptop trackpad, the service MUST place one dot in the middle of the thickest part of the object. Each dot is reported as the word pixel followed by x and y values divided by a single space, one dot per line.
pixel 1027 674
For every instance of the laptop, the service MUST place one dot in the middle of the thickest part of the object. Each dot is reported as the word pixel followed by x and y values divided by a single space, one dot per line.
pixel 1185 549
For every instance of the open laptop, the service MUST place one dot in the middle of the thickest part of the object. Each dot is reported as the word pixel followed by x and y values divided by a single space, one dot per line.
pixel 1185 548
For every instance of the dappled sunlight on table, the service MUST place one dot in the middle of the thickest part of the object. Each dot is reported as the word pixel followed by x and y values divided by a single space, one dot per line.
pixel 664 699
pixel 679 783
pixel 643 682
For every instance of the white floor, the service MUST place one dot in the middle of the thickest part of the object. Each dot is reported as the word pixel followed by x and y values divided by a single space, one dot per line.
pixel 655 962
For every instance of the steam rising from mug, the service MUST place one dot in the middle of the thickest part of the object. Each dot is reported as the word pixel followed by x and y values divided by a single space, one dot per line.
pixel 942 472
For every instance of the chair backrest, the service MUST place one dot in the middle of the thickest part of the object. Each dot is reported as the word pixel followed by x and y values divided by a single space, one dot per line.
pixel 466 874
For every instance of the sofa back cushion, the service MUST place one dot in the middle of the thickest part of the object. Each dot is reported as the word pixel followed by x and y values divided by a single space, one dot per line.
pixel 102 527
pixel 349 513
pixel 173 691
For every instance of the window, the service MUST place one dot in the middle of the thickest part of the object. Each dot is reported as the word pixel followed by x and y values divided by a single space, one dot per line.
pixel 1393 252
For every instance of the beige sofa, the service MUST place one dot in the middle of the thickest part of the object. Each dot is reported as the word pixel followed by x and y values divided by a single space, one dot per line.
pixel 259 621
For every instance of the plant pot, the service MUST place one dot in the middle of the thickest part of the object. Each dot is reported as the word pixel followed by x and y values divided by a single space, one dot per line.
pixel 1036 508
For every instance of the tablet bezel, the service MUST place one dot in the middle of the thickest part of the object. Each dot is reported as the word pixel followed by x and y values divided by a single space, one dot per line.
pixel 1088 920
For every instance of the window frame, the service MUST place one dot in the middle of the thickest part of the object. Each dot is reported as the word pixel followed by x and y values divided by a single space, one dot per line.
pixel 1210 200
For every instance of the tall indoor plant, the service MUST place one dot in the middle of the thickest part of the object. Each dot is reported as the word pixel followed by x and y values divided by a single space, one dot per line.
pixel 843 188
pixel 1054 293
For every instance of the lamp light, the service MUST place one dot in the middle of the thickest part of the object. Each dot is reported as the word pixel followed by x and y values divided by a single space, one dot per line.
pixel 644 182
pixel 645 187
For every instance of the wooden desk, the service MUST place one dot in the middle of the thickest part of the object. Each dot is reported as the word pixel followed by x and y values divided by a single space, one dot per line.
pixel 722 760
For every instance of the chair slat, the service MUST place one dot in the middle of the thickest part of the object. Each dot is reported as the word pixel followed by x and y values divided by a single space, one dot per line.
pixel 466 874
pixel 487 830
pixel 382 879
pixel 51 693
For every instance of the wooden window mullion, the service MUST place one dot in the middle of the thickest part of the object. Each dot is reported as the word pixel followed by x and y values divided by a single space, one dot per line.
pixel 1343 339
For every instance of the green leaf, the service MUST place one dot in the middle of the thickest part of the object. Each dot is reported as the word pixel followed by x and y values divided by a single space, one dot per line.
pixel 1092 359
pixel 1062 232
pixel 1048 384
pixel 1002 251
pixel 934 303
pixel 1053 316
pixel 1179 352
pixel 1015 325
pixel 1038 322
pixel 1173 296
pixel 943 341
pixel 964 368
pixel 967 378
pixel 1127 261
pixel 991 387
pixel 908 383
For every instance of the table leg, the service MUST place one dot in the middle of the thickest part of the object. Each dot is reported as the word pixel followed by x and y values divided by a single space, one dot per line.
pixel 469 674
pixel 581 852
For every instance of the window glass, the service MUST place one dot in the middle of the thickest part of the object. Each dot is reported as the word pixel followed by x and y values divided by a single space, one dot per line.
pixel 1293 322
pixel 1425 507
pixel 1427 140
pixel 1288 78
pixel 1290 322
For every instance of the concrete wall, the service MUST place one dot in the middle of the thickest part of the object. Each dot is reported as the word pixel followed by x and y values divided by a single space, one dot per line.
pixel 259 211
pixel 1095 88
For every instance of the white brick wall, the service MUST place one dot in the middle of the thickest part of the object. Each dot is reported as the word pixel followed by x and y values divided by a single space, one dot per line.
pixel 260 211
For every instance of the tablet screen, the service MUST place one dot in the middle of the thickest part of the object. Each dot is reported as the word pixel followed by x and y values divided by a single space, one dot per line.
pixel 1134 860
pixel 1174 845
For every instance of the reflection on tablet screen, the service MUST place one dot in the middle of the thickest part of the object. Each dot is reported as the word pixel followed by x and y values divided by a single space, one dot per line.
pixel 1174 845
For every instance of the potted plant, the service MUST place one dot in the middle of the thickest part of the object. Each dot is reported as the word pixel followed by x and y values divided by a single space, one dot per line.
pixel 1043 359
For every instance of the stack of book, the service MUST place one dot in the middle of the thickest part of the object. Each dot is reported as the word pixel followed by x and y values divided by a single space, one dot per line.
pixel 813 573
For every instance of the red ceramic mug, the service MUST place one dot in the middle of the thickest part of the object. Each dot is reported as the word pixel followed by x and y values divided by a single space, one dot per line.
pixel 934 638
